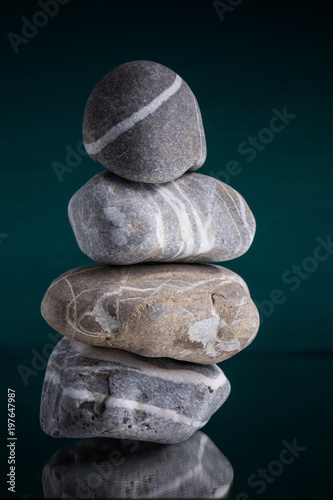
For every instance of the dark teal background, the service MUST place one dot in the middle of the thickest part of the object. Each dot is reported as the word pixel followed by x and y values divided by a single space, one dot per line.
pixel 264 55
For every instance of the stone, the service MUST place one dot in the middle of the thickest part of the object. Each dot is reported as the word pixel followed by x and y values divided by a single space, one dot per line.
pixel 195 218
pixel 193 312
pixel 91 391
pixel 143 122
pixel 111 468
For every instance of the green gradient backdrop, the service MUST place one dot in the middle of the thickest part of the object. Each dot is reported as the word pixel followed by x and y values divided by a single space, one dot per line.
pixel 264 55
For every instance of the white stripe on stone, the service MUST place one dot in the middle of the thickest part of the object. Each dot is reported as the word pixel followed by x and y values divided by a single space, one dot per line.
pixel 107 322
pixel 95 147
pixel 244 217
pixel 222 490
pixel 160 231
pixel 174 375
pixel 207 242
pixel 180 480
pixel 187 240
pixel 133 363
pixel 199 128
pixel 156 411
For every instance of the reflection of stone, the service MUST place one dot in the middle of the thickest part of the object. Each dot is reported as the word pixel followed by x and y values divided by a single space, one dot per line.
pixel 109 468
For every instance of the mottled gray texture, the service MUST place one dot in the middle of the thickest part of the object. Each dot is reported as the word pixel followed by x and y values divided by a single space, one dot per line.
pixel 195 218
pixel 192 312
pixel 110 468
pixel 143 122
pixel 91 391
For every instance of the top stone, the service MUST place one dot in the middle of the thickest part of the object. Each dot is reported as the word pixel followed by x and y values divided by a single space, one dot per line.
pixel 142 122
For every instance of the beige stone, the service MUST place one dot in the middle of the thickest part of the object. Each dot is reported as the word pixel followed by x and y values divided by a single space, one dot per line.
pixel 193 312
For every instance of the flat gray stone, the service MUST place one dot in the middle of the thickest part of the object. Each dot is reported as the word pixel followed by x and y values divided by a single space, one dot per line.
pixel 91 391
pixel 143 122
pixel 195 218
pixel 192 312
pixel 110 468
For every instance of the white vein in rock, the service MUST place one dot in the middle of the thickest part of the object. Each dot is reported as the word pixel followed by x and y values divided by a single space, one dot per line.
pixel 121 127
pixel 156 411
pixel 244 218
pixel 199 128
pixel 134 364
pixel 206 241
pixel 185 225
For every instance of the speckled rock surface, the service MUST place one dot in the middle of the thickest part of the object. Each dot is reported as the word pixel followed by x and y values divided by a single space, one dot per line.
pixel 110 468
pixel 192 312
pixel 90 391
pixel 143 122
pixel 195 218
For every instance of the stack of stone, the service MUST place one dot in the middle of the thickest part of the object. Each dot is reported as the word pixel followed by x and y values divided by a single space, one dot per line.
pixel 145 326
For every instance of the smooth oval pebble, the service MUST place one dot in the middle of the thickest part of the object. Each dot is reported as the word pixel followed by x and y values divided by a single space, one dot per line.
pixel 198 313
pixel 195 218
pixel 111 468
pixel 94 392
pixel 143 122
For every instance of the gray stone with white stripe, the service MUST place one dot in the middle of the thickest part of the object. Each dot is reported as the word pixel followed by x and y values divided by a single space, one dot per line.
pixel 114 468
pixel 191 312
pixel 195 218
pixel 143 122
pixel 90 391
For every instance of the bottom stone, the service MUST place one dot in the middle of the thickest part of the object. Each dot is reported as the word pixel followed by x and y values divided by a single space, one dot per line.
pixel 110 468
pixel 94 391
